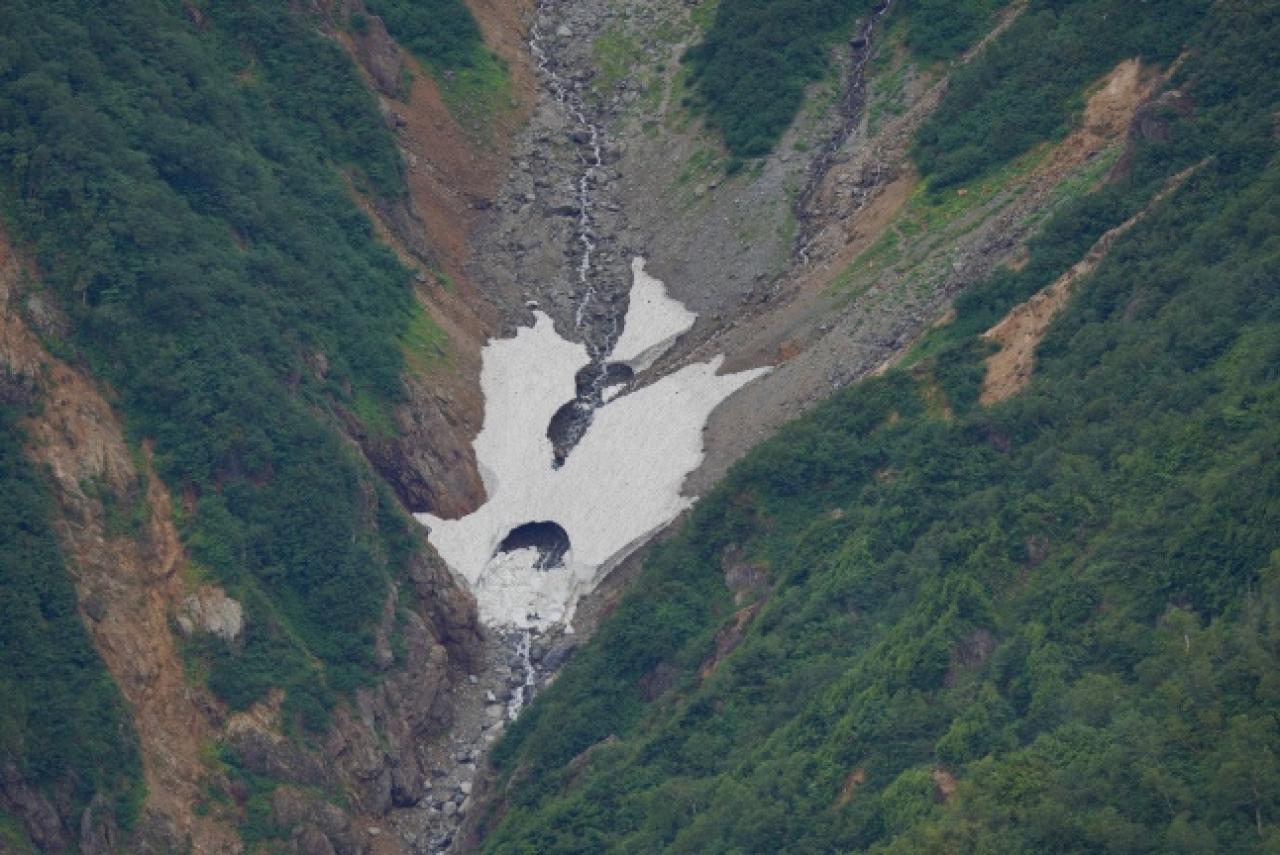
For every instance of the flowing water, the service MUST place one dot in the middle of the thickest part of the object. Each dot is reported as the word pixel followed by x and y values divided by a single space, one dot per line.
pixel 571 424
pixel 522 694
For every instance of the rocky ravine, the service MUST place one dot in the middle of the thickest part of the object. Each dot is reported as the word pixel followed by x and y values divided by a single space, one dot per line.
pixel 136 596
pixel 605 168
pixel 727 245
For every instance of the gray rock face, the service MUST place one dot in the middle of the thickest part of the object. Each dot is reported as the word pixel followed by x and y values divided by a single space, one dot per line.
pixel 380 56
pixel 318 825
pixel 210 610
pixel 374 750
pixel 28 804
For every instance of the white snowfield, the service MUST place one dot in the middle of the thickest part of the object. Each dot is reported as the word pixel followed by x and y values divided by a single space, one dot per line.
pixel 619 485
pixel 654 321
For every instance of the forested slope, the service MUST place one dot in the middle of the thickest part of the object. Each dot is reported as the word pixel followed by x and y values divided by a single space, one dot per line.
pixel 179 175
pixel 911 622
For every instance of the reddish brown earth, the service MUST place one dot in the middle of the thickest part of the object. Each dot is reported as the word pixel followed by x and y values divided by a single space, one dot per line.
pixel 453 172
pixel 128 585
pixel 1018 334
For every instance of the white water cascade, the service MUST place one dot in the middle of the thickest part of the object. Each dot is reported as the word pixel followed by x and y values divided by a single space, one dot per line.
pixel 568 98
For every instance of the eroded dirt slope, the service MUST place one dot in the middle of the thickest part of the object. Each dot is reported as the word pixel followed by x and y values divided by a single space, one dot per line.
pixel 129 585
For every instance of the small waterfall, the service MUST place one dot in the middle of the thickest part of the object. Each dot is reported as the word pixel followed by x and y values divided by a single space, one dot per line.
pixel 569 98
pixel 591 156
pixel 523 694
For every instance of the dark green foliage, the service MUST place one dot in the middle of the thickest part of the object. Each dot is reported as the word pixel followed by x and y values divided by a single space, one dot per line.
pixel 441 33
pixel 1025 87
pixel 751 69
pixel 942 29
pixel 180 184
pixel 62 722
pixel 1069 601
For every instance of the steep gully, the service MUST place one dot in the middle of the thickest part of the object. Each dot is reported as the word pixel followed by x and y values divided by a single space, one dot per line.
pixel 571 421
pixel 582 452
pixel 498 559
pixel 552 523
pixel 850 109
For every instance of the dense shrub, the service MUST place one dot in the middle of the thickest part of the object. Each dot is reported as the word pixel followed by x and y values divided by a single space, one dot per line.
pixel 1026 86
pixel 751 68
pixel 440 32
pixel 180 178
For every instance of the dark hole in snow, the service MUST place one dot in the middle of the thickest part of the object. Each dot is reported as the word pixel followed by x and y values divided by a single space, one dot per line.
pixel 551 541
pixel 570 422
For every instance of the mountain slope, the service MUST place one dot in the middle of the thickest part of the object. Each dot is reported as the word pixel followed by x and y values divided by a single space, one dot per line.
pixel 914 622
pixel 198 307
pixel 1015 587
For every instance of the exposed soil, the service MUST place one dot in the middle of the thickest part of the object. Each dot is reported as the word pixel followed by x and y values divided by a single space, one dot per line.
pixel 453 174
pixel 838 318
pixel 944 783
pixel 128 586
pixel 1018 334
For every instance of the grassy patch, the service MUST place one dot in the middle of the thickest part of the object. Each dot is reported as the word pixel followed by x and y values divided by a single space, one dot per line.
pixel 478 93
pixel 374 413
pixel 616 55
pixel 927 221
pixel 425 344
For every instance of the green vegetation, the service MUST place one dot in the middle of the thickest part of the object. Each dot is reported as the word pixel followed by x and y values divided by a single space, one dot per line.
pixel 479 93
pixel 442 33
pixel 1026 86
pixel 180 183
pixel 943 29
pixel 14 837
pixel 1069 601
pixel 424 343
pixel 445 37
pixel 750 70
pixel 615 54
pixel 62 722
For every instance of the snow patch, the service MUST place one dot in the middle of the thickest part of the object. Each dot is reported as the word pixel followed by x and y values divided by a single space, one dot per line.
pixel 654 321
pixel 621 483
